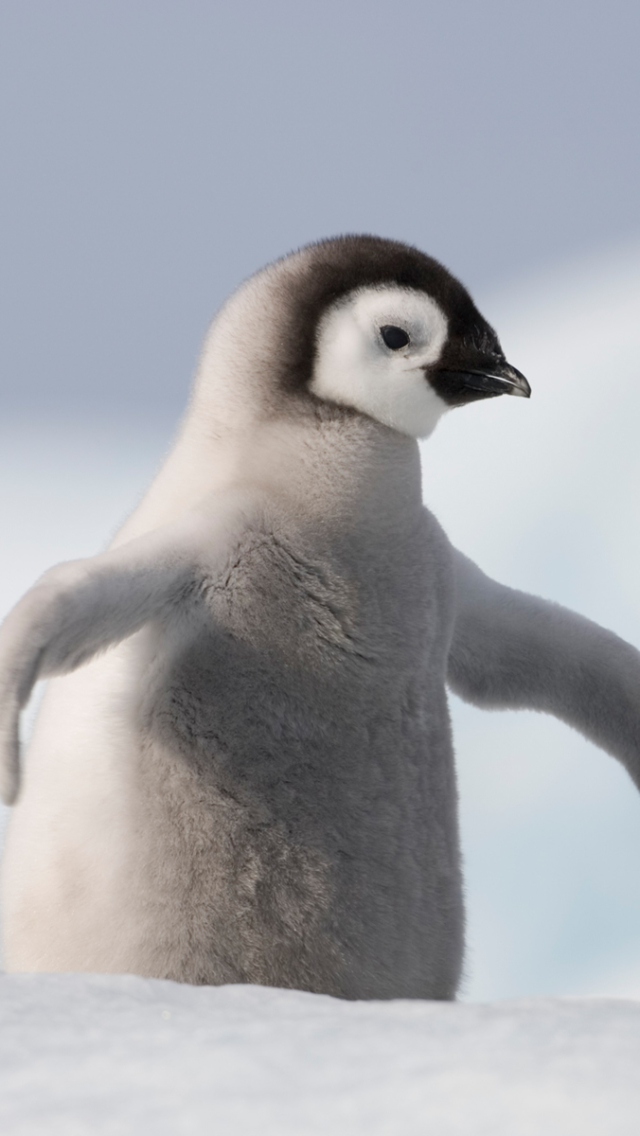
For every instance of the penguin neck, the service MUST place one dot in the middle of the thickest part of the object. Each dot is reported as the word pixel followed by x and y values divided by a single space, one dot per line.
pixel 338 467
pixel 329 465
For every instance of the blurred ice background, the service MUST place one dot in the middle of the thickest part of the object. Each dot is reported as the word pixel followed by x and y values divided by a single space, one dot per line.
pixel 156 153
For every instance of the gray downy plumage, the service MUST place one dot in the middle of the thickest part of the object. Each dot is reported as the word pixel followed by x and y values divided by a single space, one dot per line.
pixel 242 770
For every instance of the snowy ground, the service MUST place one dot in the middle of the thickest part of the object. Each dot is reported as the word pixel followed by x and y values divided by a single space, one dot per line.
pixel 544 496
pixel 120 1055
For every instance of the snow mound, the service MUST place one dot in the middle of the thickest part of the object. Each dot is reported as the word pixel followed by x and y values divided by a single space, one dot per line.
pixel 123 1055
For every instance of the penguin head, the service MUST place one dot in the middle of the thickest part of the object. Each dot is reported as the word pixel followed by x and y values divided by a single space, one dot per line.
pixel 406 344
pixel 354 324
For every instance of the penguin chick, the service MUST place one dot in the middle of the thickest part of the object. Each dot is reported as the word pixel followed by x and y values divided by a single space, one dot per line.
pixel 242 770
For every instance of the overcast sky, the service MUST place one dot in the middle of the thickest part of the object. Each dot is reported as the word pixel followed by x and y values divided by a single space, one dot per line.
pixel 157 152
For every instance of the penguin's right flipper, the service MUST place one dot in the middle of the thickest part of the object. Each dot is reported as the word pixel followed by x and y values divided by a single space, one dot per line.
pixel 80 608
pixel 514 651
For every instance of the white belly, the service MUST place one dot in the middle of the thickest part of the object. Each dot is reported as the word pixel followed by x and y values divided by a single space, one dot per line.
pixel 70 836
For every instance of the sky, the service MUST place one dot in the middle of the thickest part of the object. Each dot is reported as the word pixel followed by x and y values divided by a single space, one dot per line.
pixel 156 153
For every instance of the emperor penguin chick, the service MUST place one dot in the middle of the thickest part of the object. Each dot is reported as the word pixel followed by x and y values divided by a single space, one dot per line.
pixel 242 770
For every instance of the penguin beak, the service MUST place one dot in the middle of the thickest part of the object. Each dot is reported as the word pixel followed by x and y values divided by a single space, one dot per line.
pixel 481 382
pixel 502 379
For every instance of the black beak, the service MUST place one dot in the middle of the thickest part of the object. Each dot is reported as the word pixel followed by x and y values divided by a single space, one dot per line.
pixel 462 386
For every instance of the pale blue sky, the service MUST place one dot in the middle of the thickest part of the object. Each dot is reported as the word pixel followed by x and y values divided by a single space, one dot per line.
pixel 157 152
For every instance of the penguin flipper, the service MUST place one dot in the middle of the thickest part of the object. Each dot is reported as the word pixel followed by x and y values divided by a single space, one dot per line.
pixel 82 607
pixel 511 650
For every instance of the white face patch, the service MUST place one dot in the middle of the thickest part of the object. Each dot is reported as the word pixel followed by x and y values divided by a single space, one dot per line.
pixel 354 366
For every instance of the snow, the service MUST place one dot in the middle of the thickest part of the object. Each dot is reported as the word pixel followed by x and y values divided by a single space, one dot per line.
pixel 111 1055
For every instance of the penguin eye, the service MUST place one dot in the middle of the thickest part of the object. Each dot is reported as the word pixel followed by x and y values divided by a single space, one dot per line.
pixel 394 337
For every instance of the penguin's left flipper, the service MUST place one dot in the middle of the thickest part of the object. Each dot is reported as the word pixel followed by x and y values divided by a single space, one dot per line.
pixel 81 607
pixel 511 650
